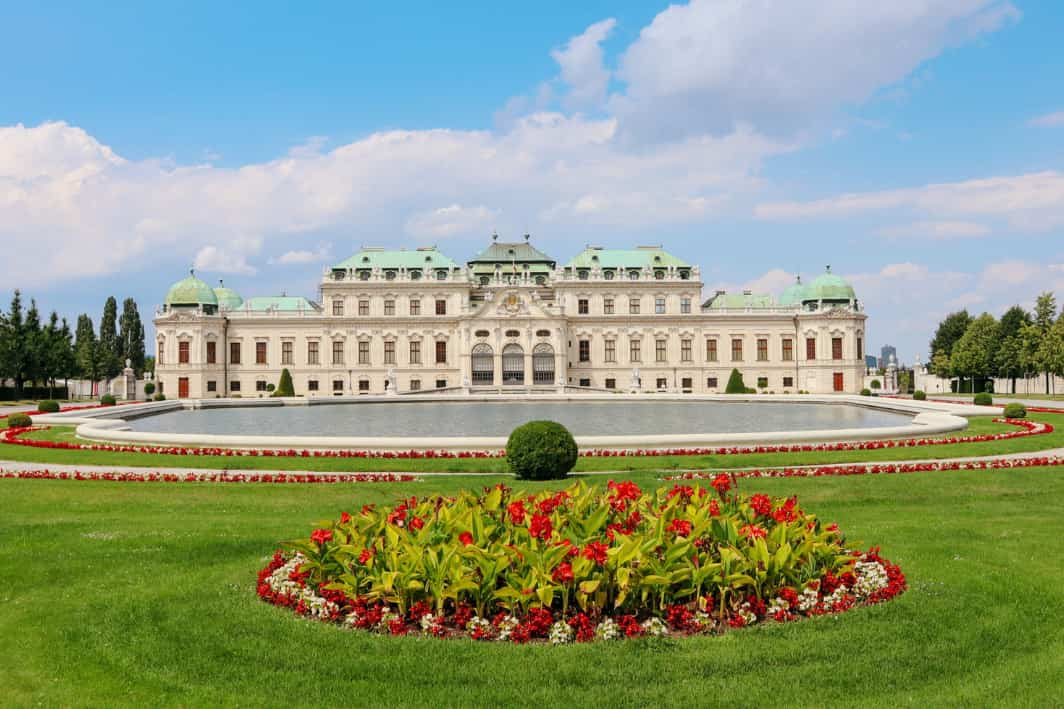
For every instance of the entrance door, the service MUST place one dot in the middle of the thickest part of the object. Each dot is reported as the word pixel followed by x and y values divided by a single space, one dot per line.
pixel 182 388
pixel 513 365
pixel 839 381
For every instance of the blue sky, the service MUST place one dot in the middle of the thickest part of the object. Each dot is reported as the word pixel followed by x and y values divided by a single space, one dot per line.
pixel 917 147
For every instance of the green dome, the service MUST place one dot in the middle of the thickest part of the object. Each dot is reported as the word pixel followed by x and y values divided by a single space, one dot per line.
pixel 228 299
pixel 829 288
pixel 191 291
pixel 793 294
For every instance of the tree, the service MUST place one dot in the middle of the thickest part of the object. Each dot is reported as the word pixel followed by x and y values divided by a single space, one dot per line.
pixel 973 354
pixel 108 352
pixel 13 351
pixel 1053 344
pixel 1008 357
pixel 131 336
pixel 33 342
pixel 949 331
pixel 1038 343
pixel 66 363
pixel 284 386
pixel 735 383
pixel 85 346
pixel 48 354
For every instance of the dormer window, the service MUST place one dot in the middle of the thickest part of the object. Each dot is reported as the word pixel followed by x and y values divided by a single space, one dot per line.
pixel 365 259
pixel 633 275
pixel 657 259
pixel 582 274
pixel 363 275
pixel 608 275
pixel 659 274
pixel 415 275
pixel 685 275
pixel 389 275
pixel 441 274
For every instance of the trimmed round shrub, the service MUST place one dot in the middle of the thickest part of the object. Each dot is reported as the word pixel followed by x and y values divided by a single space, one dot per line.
pixel 149 388
pixel 983 399
pixel 159 397
pixel 919 395
pixel 19 421
pixel 541 450
pixel 866 392
pixel 48 406
pixel 107 400
pixel 875 384
pixel 284 385
pixel 1015 411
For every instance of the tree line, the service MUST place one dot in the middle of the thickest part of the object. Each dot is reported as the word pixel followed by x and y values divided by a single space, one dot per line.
pixel 43 354
pixel 1020 344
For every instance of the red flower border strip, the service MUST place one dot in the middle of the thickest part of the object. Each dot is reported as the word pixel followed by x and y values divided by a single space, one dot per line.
pixel 1029 428
pixel 223 477
pixel 69 409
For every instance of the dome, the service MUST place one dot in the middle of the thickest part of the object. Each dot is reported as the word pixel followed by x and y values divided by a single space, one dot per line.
pixel 829 288
pixel 228 299
pixel 794 293
pixel 190 291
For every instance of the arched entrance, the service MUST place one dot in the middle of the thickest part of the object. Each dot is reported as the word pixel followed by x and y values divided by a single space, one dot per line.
pixel 543 364
pixel 513 365
pixel 483 361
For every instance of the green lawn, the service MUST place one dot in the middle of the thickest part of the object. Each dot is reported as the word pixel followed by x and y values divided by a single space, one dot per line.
pixel 979 425
pixel 118 594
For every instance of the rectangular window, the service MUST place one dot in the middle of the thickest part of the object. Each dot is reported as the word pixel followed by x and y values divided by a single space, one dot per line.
pixel 441 353
pixel 312 385
pixel 836 348
pixel 441 383
pixel 659 306
pixel 234 386
pixel 662 383
pixel 762 349
pixel 182 353
pixel 762 382
pixel 260 353
pixel 159 354
pixel 860 348
pixel 611 350
pixel 661 350
pixel 611 383
pixel 415 385
pixel 415 307
pixel 363 307
pixel 711 350
pixel 788 349
pixel 711 382
pixel 212 352
pixel 685 305
pixel 338 385
pixel 810 348
pixel 234 353
pixel 389 307
pixel 212 385
pixel 607 306
pixel 686 384
pixel 737 349
pixel 363 386
pixel 788 381
pixel 635 351
pixel 633 306
pixel 363 352
pixel 260 386
pixel 415 352
pixel 441 306
pixel 582 307
pixel 389 352
pixel 338 306
pixel 286 352
pixel 584 347
pixel 585 382
pixel 312 352
pixel 685 350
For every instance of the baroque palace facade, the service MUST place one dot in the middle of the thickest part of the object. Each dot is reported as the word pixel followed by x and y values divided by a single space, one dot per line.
pixel 510 320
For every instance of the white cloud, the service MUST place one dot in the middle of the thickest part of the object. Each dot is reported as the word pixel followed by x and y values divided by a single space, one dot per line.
pixel 301 256
pixel 773 281
pixel 582 67
pixel 1049 119
pixel 936 230
pixel 214 259
pixel 452 220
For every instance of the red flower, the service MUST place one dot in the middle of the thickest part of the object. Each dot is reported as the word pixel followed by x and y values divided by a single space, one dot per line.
pixel 466 538
pixel 721 483
pixel 366 555
pixel 681 526
pixel 321 535
pixel 417 523
pixel 345 518
pixel 541 527
pixel 626 490
pixel 761 504
pixel 752 531
pixel 563 573
pixel 596 551
pixel 517 512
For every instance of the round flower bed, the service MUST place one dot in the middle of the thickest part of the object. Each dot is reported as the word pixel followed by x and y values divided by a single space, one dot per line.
pixel 576 565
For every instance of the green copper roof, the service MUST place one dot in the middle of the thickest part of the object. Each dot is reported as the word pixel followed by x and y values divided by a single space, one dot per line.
pixel 740 301
pixel 379 258
pixel 191 291
pixel 279 303
pixel 625 258
pixel 829 287
pixel 228 299
pixel 794 293
pixel 508 252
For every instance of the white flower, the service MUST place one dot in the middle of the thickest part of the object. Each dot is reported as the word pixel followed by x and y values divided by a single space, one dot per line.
pixel 477 622
pixel 506 627
pixel 808 600
pixel 655 627
pixel 871 577
pixel 560 633
pixel 607 630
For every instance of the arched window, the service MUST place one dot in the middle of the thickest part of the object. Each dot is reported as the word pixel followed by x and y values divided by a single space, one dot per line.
pixel 543 364
pixel 513 365
pixel 483 361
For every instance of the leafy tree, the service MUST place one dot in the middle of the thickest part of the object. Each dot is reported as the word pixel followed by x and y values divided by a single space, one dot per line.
pixel 1008 360
pixel 34 345
pixel 973 353
pixel 1053 344
pixel 66 362
pixel 948 333
pixel 1038 343
pixel 85 347
pixel 131 336
pixel 108 349
pixel 48 354
pixel 149 364
pixel 14 353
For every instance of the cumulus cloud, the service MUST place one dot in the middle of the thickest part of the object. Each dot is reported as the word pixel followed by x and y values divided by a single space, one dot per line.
pixel 936 230
pixel 582 66
pixel 451 221
pixel 220 260
pixel 302 256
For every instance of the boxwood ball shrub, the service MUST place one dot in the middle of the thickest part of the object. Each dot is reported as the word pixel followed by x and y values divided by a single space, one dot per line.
pixel 983 399
pixel 875 384
pixel 19 421
pixel 159 397
pixel 1015 411
pixel 866 392
pixel 541 450
pixel 107 400
pixel 919 395
pixel 48 406
pixel 149 388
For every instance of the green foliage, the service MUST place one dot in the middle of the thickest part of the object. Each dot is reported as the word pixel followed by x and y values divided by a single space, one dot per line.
pixel 159 397
pixel 973 354
pixel 85 345
pixel 983 399
pixel 48 406
pixel 108 350
pixel 19 421
pixel 149 388
pixel 866 392
pixel 948 333
pixel 107 400
pixel 284 385
pixel 919 395
pixel 735 383
pixel 131 336
pixel 875 384
pixel 1015 410
pixel 541 450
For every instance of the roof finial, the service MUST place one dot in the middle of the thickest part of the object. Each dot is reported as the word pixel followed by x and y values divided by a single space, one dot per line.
pixel 221 283
pixel 798 277
pixel 494 235
pixel 828 267
pixel 527 236
pixel 192 272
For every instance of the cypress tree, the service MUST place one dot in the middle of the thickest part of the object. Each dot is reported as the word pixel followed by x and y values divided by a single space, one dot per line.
pixel 33 345
pixel 131 336
pixel 13 353
pixel 85 346
pixel 108 350
pixel 735 383
pixel 284 385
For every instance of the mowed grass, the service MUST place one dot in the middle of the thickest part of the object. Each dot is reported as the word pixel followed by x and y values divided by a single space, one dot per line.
pixel 979 425
pixel 143 594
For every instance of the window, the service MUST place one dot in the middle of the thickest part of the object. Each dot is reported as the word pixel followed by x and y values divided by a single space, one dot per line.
pixel 788 349
pixel 389 352
pixel 182 353
pixel 513 333
pixel 363 386
pixel 659 306
pixel 338 385
pixel 608 274
pixel 860 348
pixel 633 275
pixel 685 350
pixel 286 352
pixel 415 385
pixel 762 382
pixel 441 353
pixel 582 274
pixel 159 354
pixel 633 306
pixel 607 306
pixel 762 349
pixel 363 352
pixel 737 349
pixel 389 307
pixel 312 385
pixel 581 306
pixel 441 306
pixel 585 382
pixel 585 350
pixel 711 382
pixel 661 383
pixel 212 352
pixel 611 383
pixel 661 350
pixel 836 348
pixel 711 350
pixel 634 351
pixel 234 386
pixel 260 353
pixel 788 381
pixel 685 305
pixel 212 385
pixel 312 352
pixel 441 383
pixel 337 351
pixel 363 307
pixel 686 384
pixel 415 352
pixel 541 333
pixel 611 350
pixel 810 348
pixel 260 386
pixel 234 353
pixel 338 306
pixel 415 307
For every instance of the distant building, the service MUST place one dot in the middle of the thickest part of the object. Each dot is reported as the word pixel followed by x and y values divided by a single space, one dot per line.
pixel 885 353
pixel 871 363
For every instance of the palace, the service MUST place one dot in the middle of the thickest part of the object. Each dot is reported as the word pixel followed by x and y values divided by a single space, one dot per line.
pixel 510 320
